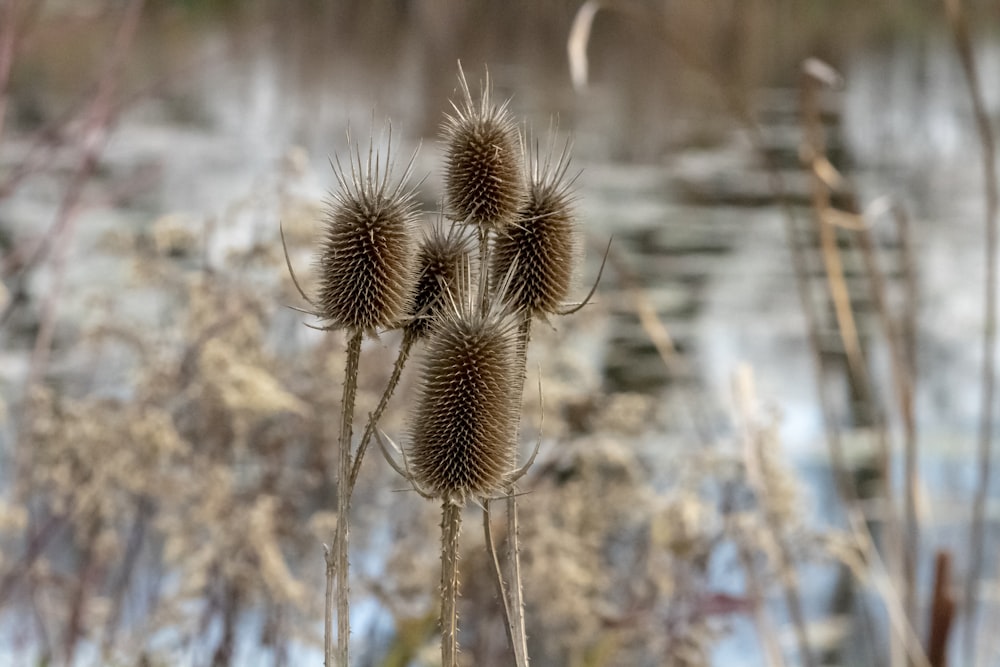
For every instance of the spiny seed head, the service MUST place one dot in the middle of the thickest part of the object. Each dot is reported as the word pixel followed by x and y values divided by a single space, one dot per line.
pixel 483 161
pixel 541 245
pixel 367 260
pixel 442 257
pixel 464 428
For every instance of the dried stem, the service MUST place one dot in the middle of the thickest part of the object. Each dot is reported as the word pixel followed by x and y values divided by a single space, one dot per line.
pixel 516 590
pixel 451 525
pixel 491 548
pixel 823 176
pixel 902 376
pixel 519 635
pixel 397 370
pixel 344 502
pixel 331 569
pixel 963 45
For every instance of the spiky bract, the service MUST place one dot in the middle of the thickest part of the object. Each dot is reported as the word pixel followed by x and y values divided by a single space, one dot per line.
pixel 541 245
pixel 367 262
pixel 440 261
pixel 463 432
pixel 484 183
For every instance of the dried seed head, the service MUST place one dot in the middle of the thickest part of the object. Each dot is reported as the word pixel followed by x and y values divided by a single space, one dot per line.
pixel 367 261
pixel 442 257
pixel 483 161
pixel 463 433
pixel 542 241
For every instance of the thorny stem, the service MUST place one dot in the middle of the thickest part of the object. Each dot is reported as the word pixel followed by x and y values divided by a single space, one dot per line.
pixel 451 525
pixel 960 29
pixel 344 502
pixel 516 591
pixel 331 569
pixel 397 371
pixel 491 548
pixel 519 636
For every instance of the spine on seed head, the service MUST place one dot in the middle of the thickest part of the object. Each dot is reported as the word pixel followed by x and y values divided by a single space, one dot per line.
pixel 540 249
pixel 367 260
pixel 484 163
pixel 463 430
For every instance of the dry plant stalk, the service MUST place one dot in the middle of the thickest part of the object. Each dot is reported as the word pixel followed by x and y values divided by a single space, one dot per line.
pixel 367 267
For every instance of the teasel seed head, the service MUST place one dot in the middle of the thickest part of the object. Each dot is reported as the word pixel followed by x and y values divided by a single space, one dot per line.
pixel 443 255
pixel 367 260
pixel 464 427
pixel 540 248
pixel 484 183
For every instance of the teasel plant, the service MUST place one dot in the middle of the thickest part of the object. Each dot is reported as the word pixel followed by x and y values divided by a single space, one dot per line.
pixel 463 429
pixel 367 264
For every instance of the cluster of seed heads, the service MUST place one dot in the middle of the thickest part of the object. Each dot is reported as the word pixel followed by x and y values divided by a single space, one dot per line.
pixel 375 276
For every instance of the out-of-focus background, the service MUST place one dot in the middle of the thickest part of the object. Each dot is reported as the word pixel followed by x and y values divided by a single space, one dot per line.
pixel 761 442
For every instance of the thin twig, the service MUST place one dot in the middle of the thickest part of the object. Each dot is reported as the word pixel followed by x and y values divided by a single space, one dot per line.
pixel 491 549
pixel 405 346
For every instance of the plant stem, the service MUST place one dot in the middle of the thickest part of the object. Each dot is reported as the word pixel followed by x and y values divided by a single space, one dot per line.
pixel 331 569
pixel 397 370
pixel 344 501
pixel 451 525
pixel 519 635
pixel 491 548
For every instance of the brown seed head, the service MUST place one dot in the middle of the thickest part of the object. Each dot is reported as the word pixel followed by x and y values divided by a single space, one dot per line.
pixel 541 244
pixel 483 161
pixel 367 261
pixel 463 433
pixel 442 257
